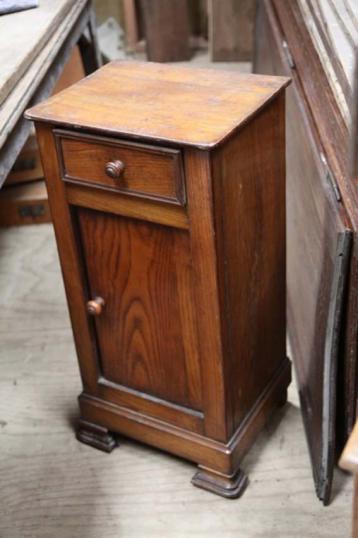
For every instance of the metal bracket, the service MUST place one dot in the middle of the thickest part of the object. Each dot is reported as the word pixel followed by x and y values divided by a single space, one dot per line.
pixel 288 54
pixel 331 179
pixel 33 211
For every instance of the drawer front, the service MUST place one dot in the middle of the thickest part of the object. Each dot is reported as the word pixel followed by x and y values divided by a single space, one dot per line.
pixel 129 168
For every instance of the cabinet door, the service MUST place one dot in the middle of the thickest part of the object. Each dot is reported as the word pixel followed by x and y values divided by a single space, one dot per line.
pixel 317 261
pixel 146 334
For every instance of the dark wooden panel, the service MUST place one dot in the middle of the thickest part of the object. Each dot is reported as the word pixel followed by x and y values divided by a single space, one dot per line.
pixel 166 26
pixel 316 242
pixel 249 201
pixel 327 117
pixel 148 171
pixel 147 331
pixel 324 110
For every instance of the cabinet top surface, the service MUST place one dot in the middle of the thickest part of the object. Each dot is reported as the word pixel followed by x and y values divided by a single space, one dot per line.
pixel 197 107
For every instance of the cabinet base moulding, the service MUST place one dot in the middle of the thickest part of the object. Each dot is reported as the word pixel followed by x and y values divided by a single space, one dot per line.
pixel 230 487
pixel 219 470
pixel 96 436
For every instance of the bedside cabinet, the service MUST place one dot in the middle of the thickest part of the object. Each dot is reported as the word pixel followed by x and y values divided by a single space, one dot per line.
pixel 167 192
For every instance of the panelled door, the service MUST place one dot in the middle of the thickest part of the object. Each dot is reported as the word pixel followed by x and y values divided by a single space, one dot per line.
pixel 146 333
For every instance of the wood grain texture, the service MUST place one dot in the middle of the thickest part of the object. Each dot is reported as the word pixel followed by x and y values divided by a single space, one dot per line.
pixel 331 125
pixel 249 205
pixel 28 33
pixel 206 295
pixel 148 171
pixel 16 101
pixel 325 111
pixel 130 16
pixel 163 374
pixel 315 221
pixel 143 272
pixel 114 202
pixel 158 102
pixel 221 459
pixel 54 486
pixel 166 29
pixel 72 72
pixel 231 30
pixel 72 268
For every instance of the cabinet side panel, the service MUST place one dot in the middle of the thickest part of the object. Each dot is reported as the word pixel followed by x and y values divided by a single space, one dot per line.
pixel 249 205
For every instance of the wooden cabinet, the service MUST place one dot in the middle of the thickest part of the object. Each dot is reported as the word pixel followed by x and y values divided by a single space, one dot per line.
pixel 167 191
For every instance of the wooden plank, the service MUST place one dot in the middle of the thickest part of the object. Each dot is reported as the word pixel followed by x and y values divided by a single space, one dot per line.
pixel 15 103
pixel 354 144
pixel 23 36
pixel 28 165
pixel 317 261
pixel 231 24
pixel 249 202
pixel 167 30
pixel 24 204
pixel 72 72
pixel 117 204
pixel 131 24
pixel 12 6
pixel 20 131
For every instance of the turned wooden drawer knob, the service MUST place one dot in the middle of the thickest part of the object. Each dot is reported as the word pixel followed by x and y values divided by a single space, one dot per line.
pixel 95 306
pixel 114 169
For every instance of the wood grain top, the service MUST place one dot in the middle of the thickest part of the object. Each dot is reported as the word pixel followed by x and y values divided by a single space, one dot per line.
pixel 197 107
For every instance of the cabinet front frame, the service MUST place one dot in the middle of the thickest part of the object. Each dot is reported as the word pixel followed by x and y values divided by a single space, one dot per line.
pixel 210 421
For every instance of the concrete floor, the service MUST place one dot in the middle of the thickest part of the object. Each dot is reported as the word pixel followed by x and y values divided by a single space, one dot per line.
pixel 54 487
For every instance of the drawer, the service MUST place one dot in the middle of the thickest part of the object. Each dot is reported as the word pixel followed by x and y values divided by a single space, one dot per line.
pixel 129 168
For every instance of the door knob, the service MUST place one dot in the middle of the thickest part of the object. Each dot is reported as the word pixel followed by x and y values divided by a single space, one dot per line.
pixel 95 306
pixel 114 169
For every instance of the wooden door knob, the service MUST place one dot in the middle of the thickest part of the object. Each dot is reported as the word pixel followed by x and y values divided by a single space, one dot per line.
pixel 114 169
pixel 95 306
